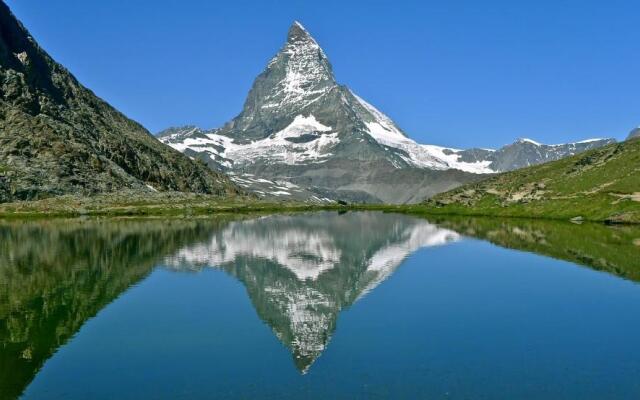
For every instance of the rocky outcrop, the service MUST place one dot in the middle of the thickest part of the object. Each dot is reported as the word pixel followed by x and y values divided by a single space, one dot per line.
pixel 57 137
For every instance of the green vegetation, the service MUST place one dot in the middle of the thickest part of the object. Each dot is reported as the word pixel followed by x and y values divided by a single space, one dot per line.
pixel 131 203
pixel 612 249
pixel 600 185
pixel 58 274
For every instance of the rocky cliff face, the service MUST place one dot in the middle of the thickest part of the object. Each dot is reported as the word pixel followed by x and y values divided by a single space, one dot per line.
pixel 57 137
pixel 300 126
pixel 634 134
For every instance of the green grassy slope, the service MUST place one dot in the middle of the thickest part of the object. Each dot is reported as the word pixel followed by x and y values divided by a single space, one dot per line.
pixel 599 185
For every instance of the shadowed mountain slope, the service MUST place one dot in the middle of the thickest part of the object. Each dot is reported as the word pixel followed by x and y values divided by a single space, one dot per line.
pixel 57 137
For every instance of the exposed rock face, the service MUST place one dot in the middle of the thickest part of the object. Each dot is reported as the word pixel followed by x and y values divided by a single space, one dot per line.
pixel 299 125
pixel 634 133
pixel 57 137
pixel 298 76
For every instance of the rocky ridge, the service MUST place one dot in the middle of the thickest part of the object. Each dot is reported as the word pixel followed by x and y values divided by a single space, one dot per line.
pixel 57 137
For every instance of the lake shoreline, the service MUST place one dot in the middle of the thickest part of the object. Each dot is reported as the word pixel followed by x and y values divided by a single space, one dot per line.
pixel 167 205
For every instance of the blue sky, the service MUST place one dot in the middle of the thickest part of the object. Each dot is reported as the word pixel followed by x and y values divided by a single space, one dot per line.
pixel 464 73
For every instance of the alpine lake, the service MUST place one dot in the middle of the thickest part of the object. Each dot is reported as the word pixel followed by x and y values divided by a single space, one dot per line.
pixel 321 305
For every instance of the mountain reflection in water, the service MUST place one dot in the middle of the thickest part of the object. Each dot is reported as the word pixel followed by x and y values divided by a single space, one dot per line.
pixel 299 270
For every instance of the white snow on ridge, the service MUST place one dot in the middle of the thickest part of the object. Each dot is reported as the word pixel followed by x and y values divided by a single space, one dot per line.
pixel 385 132
pixel 276 147
pixel 591 140
pixel 526 140
pixel 385 127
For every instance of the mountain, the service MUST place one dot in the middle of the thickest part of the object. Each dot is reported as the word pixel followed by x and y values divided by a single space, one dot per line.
pixel 526 152
pixel 57 137
pixel 300 126
pixel 634 133
pixel 599 185
pixel 301 271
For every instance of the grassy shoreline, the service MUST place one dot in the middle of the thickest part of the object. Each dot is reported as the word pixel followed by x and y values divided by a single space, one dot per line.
pixel 169 205
pixel 187 205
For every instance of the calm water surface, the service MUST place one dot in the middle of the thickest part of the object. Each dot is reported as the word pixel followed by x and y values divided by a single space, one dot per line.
pixel 319 305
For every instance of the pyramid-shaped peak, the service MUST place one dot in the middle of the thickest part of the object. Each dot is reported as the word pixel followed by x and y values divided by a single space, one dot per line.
pixel 298 32
pixel 298 25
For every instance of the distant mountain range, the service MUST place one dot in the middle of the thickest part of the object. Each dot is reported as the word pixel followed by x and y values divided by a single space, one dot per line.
pixel 57 137
pixel 300 127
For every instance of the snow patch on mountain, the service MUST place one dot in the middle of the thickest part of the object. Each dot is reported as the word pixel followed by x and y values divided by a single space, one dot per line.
pixel 452 158
pixel 282 146
pixel 385 132
pixel 302 125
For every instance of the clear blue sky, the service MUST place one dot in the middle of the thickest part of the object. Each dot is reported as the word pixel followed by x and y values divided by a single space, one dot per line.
pixel 463 73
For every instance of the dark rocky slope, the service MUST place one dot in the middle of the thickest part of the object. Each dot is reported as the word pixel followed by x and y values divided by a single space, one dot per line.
pixel 57 137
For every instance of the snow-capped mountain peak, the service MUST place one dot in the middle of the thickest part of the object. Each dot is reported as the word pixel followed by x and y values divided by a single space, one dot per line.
pixel 297 32
pixel 296 77
pixel 300 126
